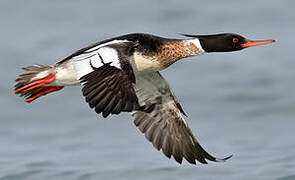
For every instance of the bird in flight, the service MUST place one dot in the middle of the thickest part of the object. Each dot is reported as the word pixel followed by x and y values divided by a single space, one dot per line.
pixel 121 74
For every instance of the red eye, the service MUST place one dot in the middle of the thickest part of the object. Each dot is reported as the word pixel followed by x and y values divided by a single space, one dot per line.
pixel 235 40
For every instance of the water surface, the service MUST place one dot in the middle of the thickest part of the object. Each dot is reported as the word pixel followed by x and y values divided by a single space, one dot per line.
pixel 240 103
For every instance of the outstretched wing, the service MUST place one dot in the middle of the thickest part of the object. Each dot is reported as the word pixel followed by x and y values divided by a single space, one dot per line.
pixel 107 77
pixel 164 125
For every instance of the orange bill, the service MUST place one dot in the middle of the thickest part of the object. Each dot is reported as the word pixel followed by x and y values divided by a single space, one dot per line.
pixel 249 43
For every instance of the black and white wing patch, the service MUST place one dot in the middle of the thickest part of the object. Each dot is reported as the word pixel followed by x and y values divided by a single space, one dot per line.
pixel 107 78
pixel 164 125
pixel 99 55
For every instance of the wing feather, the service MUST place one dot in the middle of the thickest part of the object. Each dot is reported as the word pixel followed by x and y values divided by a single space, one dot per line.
pixel 164 124
pixel 107 78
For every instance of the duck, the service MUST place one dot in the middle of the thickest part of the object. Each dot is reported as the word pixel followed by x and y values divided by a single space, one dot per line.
pixel 122 74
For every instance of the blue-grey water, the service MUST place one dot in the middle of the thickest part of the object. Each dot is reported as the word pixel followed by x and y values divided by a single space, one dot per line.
pixel 240 103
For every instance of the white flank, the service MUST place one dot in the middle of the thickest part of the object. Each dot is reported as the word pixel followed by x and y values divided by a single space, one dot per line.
pixel 141 64
pixel 65 75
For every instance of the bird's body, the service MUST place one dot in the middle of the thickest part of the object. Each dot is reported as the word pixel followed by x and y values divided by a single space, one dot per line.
pixel 122 75
pixel 151 58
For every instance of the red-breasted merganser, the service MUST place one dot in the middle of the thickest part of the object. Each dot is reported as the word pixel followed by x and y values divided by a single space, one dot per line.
pixel 121 74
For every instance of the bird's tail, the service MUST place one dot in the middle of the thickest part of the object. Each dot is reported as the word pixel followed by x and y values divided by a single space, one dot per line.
pixel 35 82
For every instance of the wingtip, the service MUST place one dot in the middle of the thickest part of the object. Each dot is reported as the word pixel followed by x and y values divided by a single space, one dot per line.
pixel 178 159
pixel 224 159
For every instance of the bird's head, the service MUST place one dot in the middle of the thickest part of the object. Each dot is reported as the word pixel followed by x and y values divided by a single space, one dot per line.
pixel 226 42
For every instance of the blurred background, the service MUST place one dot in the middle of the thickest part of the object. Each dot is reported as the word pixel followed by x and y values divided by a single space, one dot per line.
pixel 240 103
